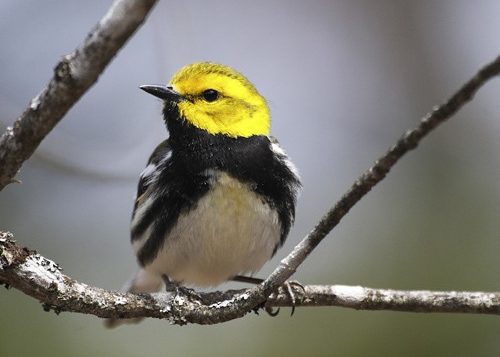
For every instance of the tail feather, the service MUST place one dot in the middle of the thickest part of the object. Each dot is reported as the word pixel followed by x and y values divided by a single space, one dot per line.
pixel 142 282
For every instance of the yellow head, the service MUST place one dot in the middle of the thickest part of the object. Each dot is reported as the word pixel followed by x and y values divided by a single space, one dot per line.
pixel 218 99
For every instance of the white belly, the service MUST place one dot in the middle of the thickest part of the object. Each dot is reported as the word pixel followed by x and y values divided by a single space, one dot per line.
pixel 231 231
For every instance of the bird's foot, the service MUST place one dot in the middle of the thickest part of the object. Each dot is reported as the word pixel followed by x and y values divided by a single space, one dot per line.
pixel 287 288
pixel 172 286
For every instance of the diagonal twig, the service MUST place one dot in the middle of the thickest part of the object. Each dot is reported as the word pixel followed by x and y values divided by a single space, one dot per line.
pixel 238 303
pixel 27 271
pixel 42 279
pixel 377 172
pixel 73 76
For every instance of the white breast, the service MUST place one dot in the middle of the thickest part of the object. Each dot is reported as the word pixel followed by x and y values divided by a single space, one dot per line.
pixel 231 231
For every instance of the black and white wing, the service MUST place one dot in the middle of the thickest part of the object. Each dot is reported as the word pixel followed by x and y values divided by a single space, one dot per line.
pixel 283 157
pixel 158 159
pixel 289 188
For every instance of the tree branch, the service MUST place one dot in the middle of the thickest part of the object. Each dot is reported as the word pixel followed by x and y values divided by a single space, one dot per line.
pixel 377 172
pixel 43 279
pixel 363 298
pixel 64 293
pixel 73 76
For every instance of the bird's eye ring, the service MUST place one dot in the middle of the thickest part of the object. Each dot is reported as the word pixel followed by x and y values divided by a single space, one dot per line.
pixel 210 95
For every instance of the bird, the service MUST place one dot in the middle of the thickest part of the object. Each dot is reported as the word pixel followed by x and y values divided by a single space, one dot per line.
pixel 217 198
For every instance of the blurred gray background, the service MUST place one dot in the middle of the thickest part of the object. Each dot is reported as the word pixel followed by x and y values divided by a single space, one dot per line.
pixel 344 79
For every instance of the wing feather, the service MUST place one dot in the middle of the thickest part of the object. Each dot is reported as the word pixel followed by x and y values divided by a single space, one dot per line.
pixel 160 155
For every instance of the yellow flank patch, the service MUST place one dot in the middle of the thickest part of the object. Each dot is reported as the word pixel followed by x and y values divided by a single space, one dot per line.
pixel 239 109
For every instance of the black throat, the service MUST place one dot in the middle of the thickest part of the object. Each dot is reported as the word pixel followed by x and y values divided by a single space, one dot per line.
pixel 196 150
pixel 186 177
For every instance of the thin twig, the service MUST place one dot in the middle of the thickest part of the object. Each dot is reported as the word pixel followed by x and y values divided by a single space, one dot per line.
pixel 63 293
pixel 364 298
pixel 239 303
pixel 42 279
pixel 377 172
pixel 73 76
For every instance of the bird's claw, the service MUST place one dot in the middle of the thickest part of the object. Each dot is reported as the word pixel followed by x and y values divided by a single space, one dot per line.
pixel 289 286
pixel 173 286
pixel 271 312
pixel 288 289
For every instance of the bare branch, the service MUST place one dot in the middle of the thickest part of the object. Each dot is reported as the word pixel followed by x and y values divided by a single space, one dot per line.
pixel 377 172
pixel 363 298
pixel 73 76
pixel 63 293
pixel 41 278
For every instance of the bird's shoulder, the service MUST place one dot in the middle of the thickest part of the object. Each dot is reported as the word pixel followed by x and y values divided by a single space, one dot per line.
pixel 160 152
pixel 273 140
pixel 160 156
pixel 282 157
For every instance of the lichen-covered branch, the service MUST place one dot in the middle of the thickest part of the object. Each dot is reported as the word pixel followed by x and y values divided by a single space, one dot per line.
pixel 37 276
pixel 363 298
pixel 73 76
pixel 63 293
pixel 41 278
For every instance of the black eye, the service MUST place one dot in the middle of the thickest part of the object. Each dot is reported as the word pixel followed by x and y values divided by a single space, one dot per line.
pixel 210 95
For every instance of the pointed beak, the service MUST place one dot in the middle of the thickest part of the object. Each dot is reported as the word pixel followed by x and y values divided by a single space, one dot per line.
pixel 166 93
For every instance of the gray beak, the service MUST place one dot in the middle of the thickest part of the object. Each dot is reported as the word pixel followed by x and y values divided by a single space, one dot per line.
pixel 166 93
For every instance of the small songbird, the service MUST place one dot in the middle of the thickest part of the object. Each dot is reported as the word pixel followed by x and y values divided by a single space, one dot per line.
pixel 217 198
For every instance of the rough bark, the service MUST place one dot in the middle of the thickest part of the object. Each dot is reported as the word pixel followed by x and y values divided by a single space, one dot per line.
pixel 73 76
pixel 43 279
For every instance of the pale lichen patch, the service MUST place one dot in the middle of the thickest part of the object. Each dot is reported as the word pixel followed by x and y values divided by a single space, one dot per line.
pixel 229 302
pixel 6 258
pixel 120 300
pixel 35 103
